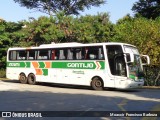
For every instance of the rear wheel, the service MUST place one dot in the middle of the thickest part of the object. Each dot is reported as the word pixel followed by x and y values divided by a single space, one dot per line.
pixel 97 83
pixel 23 78
pixel 31 79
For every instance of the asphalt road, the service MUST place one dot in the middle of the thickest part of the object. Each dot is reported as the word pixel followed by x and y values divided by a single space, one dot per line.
pixel 15 96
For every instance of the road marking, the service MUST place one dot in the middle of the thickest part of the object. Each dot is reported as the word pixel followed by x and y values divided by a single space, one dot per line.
pixel 121 106
pixel 122 103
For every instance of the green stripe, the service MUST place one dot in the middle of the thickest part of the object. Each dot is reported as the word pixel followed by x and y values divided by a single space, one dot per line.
pixel 45 71
pixel 61 65
pixel 77 65
pixel 41 64
pixel 102 63
pixel 19 64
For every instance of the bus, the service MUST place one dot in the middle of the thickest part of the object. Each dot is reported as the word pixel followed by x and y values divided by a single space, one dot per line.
pixel 99 65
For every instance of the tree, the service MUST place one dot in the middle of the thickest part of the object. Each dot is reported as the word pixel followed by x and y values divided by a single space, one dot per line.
pixel 60 28
pixel 92 29
pixel 54 6
pixel 7 30
pixel 147 8
pixel 142 33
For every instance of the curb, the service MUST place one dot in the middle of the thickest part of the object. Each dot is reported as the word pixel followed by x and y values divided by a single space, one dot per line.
pixel 4 79
pixel 151 87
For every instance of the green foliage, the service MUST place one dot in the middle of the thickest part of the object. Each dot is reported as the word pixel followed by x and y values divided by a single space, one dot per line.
pixel 7 30
pixel 142 33
pixel 92 28
pixel 67 29
pixel 43 30
pixel 147 8
pixel 152 75
pixel 52 7
pixel 2 73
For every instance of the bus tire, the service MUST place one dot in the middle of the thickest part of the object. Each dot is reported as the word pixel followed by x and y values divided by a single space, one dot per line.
pixel 97 83
pixel 31 79
pixel 22 78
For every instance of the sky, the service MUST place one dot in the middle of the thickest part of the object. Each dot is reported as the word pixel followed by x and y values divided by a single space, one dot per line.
pixel 117 9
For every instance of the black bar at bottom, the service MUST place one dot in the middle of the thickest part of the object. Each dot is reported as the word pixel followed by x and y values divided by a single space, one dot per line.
pixel 79 114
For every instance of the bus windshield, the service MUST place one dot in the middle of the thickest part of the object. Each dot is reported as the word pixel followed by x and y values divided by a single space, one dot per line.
pixel 135 68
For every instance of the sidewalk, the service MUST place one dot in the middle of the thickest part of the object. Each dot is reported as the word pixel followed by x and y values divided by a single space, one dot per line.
pixel 5 87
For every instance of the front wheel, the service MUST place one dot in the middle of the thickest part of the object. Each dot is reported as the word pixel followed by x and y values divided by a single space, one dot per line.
pixel 31 79
pixel 97 83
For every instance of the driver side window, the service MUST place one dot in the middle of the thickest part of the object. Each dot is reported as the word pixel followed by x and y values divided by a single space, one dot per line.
pixel 116 60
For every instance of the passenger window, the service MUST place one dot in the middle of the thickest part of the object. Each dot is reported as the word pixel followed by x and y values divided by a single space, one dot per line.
pixel 12 55
pixel 62 54
pixel 70 54
pixel 78 53
pixel 75 54
pixel 53 55
pixel 94 53
pixel 43 55
pixel 32 55
pixel 21 55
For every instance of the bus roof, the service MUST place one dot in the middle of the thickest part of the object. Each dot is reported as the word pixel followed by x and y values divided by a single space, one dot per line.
pixel 71 44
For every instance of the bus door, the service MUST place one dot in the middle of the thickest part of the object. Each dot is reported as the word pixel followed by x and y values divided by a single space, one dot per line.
pixel 116 64
pixel 120 70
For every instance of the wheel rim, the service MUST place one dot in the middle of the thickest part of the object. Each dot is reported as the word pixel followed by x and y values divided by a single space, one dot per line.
pixel 98 83
pixel 23 78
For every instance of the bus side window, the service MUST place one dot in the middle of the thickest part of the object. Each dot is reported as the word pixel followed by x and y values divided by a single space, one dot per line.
pixel 62 54
pixel 12 55
pixel 82 53
pixel 49 54
pixel 70 54
pixel 21 55
pixel 100 54
pixel 78 53
pixel 32 55
pixel 55 54
pixel 75 54
pixel 43 54
pixel 53 57
pixel 93 53
pixel 86 54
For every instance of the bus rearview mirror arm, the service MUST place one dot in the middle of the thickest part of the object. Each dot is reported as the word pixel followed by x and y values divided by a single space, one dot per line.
pixel 147 59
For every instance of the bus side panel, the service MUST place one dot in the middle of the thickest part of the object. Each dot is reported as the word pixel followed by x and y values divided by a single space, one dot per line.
pixel 13 73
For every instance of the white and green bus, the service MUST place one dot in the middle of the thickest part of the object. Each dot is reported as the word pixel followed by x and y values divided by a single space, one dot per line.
pixel 99 65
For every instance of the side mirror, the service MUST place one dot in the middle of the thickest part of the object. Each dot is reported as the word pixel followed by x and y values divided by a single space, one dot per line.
pixel 145 59
pixel 129 57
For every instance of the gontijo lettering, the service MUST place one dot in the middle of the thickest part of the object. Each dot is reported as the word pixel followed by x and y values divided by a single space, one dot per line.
pixel 80 65
pixel 14 64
